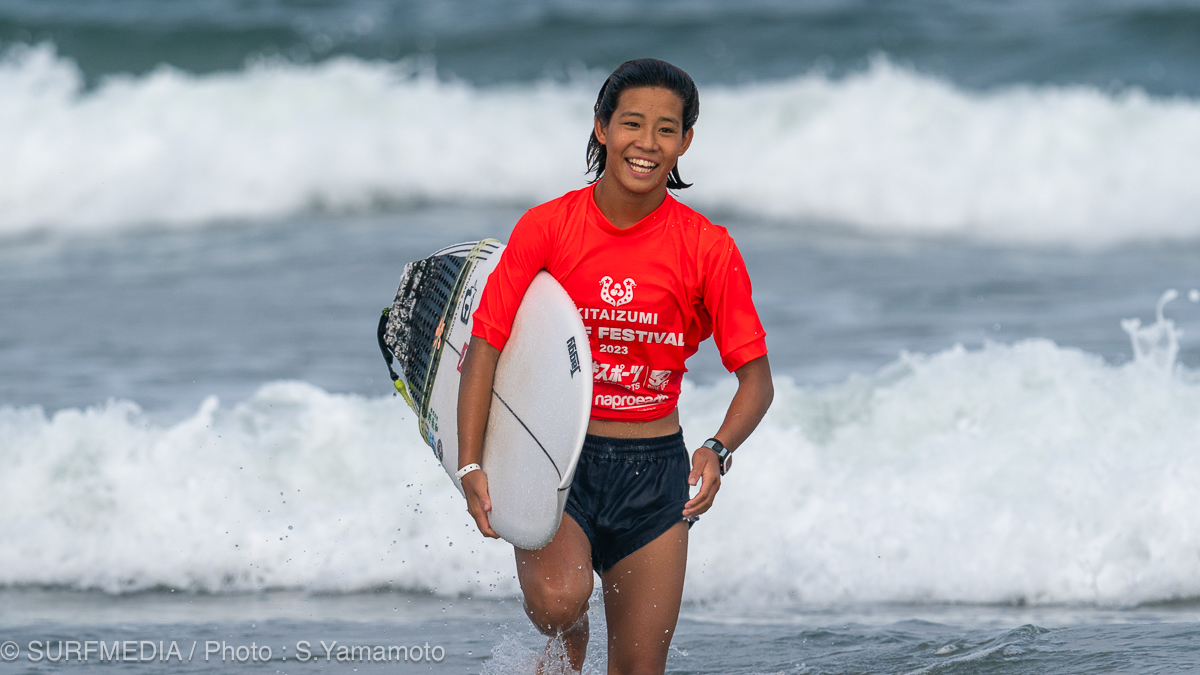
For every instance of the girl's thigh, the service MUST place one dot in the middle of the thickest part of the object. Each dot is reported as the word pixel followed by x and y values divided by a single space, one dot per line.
pixel 642 593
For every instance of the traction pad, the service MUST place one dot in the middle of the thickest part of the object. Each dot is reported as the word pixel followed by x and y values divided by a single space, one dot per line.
pixel 411 330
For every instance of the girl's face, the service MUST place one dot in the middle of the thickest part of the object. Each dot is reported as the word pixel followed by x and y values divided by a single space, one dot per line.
pixel 643 140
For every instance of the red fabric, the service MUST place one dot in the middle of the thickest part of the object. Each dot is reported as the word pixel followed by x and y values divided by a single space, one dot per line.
pixel 648 295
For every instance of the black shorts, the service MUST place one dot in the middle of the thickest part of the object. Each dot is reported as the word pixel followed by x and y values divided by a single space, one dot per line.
pixel 628 491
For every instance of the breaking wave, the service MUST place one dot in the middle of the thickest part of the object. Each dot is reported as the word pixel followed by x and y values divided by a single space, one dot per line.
pixel 1022 472
pixel 886 151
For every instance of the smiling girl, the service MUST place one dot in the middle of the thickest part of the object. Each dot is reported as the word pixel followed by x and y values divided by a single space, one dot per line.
pixel 652 279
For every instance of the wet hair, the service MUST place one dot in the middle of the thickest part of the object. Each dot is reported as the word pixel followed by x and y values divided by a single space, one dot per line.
pixel 635 74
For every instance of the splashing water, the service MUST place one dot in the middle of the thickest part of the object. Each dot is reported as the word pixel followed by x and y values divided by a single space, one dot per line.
pixel 1156 345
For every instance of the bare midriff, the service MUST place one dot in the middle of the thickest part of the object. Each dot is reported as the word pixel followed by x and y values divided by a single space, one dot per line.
pixel 663 426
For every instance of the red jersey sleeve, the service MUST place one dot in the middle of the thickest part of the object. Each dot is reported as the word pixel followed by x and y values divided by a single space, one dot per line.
pixel 737 330
pixel 527 253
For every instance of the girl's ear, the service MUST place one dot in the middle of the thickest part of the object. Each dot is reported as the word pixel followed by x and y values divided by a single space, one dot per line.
pixel 687 141
pixel 599 131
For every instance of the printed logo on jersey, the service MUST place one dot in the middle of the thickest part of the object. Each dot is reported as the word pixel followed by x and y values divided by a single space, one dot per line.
pixel 658 379
pixel 628 401
pixel 617 374
pixel 621 315
pixel 616 295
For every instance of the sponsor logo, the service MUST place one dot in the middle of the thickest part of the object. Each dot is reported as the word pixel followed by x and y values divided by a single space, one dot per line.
pixel 658 379
pixel 468 296
pixel 618 294
pixel 616 373
pixel 462 355
pixel 574 356
pixel 437 335
pixel 437 451
pixel 627 401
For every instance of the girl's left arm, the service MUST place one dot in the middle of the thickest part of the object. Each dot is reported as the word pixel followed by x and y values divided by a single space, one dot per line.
pixel 754 394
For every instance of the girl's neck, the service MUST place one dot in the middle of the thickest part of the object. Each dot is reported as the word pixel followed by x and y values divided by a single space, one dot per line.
pixel 623 208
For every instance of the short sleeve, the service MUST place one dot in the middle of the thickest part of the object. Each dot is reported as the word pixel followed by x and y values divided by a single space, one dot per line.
pixel 525 255
pixel 727 297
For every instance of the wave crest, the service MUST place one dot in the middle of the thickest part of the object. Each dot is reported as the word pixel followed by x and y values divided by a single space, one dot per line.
pixel 886 151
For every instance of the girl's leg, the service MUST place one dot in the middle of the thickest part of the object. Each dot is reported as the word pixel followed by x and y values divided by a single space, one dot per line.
pixel 642 593
pixel 557 582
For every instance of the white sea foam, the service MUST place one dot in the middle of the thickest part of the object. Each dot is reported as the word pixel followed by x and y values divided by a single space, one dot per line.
pixel 1025 471
pixel 887 150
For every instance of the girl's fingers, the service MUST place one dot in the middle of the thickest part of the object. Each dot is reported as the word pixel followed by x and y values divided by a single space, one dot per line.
pixel 708 490
pixel 479 503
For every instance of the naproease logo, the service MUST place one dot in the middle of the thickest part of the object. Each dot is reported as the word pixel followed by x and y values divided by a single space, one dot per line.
pixel 627 401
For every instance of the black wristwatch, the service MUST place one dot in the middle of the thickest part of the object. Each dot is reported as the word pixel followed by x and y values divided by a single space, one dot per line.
pixel 724 454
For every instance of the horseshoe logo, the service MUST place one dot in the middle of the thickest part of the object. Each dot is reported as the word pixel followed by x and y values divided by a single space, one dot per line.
pixel 616 294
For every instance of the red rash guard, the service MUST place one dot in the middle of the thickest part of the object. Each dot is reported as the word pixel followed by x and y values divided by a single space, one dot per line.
pixel 648 296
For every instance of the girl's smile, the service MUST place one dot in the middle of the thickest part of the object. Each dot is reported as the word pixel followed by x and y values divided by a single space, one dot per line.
pixel 644 139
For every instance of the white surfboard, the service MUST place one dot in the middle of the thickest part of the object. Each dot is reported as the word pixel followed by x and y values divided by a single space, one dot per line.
pixel 541 396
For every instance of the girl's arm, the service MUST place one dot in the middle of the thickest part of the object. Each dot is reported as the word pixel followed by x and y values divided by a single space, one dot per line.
pixel 750 403
pixel 474 402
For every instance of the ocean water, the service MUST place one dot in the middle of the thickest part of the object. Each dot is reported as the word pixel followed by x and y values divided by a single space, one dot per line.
pixel 972 232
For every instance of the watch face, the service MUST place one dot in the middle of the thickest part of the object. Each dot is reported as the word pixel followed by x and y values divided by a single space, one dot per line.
pixel 726 463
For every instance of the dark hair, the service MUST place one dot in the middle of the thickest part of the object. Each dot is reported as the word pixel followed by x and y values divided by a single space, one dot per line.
pixel 633 75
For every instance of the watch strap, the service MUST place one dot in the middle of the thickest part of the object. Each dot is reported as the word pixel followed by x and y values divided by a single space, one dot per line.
pixel 723 453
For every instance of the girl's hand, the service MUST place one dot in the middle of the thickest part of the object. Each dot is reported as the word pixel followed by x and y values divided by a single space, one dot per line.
pixel 706 470
pixel 479 504
pixel 749 404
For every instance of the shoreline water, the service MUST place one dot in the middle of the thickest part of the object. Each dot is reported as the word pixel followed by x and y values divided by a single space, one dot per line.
pixel 491 636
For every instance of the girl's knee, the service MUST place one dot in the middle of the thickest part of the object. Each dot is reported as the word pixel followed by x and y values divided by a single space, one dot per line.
pixel 556 609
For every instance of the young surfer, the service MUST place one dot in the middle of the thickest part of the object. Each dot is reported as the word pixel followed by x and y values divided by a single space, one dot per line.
pixel 651 279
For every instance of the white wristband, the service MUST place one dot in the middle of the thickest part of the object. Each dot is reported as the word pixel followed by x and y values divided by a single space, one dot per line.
pixel 466 470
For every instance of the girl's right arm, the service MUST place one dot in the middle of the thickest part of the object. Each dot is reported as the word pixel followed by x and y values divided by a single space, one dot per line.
pixel 474 402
